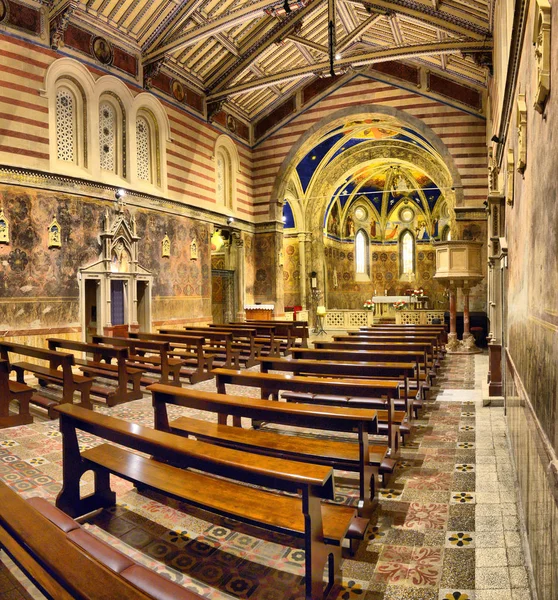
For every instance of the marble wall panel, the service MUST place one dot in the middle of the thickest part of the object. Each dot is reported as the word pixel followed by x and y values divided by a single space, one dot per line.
pixel 538 486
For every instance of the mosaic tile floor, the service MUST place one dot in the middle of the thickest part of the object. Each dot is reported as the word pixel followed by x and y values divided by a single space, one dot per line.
pixel 446 526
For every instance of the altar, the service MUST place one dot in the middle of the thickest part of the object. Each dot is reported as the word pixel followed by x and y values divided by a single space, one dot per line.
pixel 383 305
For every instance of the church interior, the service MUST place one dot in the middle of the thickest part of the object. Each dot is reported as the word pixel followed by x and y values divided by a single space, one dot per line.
pixel 274 310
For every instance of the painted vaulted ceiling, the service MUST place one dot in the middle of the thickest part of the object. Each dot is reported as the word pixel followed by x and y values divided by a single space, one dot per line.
pixel 251 54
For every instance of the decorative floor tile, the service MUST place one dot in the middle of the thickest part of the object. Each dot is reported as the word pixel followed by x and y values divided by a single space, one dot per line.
pixel 460 539
pixel 390 494
pixel 8 443
pixel 465 445
pixel 465 468
pixel 426 516
pixel 462 498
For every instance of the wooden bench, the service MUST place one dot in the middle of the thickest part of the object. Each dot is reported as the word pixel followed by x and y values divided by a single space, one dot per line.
pixel 157 361
pixel 348 369
pixel 426 347
pixel 13 390
pixel 66 562
pixel 244 341
pixel 439 330
pixel 359 393
pixel 189 349
pixel 288 331
pixel 59 372
pixel 269 346
pixel 218 345
pixel 433 349
pixel 95 367
pixel 362 457
pixel 299 513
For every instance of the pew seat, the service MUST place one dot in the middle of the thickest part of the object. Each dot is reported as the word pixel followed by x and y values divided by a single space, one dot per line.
pixel 273 493
pixel 65 561
pixel 337 453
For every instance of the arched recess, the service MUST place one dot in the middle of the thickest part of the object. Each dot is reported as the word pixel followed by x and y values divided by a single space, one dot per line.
pixel 111 89
pixel 227 165
pixel 313 135
pixel 69 73
pixel 146 106
pixel 323 187
pixel 429 155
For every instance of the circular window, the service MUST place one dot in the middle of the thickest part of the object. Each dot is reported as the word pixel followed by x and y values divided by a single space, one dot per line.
pixel 360 213
pixel 406 214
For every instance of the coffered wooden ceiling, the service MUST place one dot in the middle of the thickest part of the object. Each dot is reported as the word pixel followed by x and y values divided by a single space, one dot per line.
pixel 252 53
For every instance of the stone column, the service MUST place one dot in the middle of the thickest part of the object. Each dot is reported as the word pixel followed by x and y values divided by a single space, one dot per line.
pixel 303 238
pixel 468 339
pixel 466 318
pixel 240 284
pixel 490 299
pixel 453 343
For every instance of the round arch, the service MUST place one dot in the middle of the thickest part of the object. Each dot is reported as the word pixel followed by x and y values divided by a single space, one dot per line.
pixel 314 134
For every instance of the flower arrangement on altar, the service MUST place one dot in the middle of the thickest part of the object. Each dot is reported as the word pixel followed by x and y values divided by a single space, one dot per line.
pixel 399 305
pixel 368 305
pixel 418 293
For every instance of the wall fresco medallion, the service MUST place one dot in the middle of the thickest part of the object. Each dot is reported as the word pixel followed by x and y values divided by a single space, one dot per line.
pixel 17 259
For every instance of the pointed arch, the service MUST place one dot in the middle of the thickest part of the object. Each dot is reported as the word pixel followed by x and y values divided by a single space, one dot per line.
pixel 362 256
pixel 407 260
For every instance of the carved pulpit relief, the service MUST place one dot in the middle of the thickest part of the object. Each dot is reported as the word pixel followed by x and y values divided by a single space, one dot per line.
pixel 521 133
pixel 511 175
pixel 541 41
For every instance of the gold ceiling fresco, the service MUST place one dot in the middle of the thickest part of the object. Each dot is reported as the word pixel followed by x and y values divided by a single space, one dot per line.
pixel 251 54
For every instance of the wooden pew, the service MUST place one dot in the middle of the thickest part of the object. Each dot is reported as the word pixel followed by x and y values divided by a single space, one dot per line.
pixel 395 338
pixel 426 347
pixel 218 345
pixel 440 330
pixel 348 369
pixel 269 345
pixel 359 393
pixel 244 341
pixel 13 390
pixel 280 330
pixel 59 372
pixel 158 361
pixel 189 349
pixel 366 459
pixel 94 366
pixel 419 357
pixel 299 329
pixel 321 526
pixel 67 563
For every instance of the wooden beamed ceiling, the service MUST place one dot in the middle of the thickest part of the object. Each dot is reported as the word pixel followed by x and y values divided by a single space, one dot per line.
pixel 252 54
